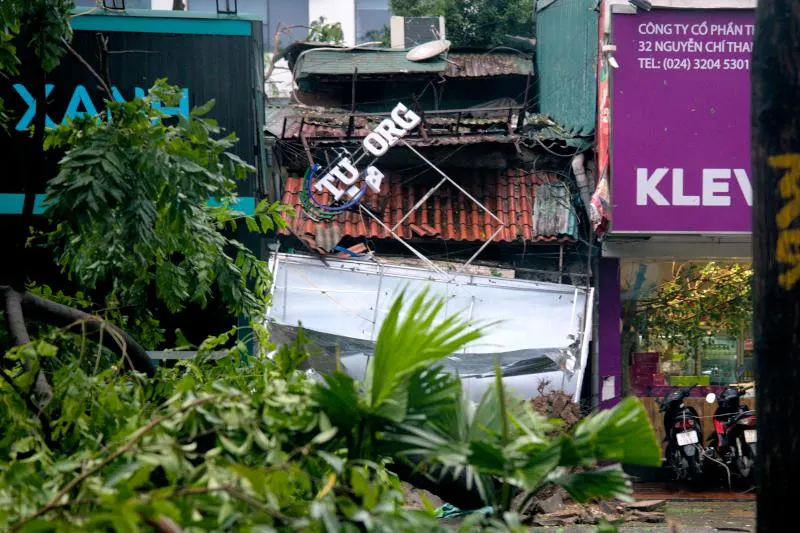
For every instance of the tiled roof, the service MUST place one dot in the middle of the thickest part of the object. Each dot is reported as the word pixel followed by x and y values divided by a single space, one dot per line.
pixel 486 65
pixel 535 207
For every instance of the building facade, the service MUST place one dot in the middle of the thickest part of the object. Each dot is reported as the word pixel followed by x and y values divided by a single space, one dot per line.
pixel 477 203
pixel 674 196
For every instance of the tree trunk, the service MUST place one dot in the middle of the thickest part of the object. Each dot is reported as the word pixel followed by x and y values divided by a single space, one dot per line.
pixel 118 341
pixel 776 257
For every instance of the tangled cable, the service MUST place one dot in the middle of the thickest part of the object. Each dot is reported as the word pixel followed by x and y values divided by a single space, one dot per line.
pixel 319 210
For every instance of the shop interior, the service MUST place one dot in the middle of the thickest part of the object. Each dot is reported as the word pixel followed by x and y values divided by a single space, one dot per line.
pixel 684 323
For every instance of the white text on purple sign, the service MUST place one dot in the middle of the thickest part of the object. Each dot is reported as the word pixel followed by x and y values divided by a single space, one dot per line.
pixel 715 187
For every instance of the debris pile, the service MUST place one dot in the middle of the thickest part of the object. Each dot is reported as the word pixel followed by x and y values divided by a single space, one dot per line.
pixel 651 511
pixel 552 506
pixel 557 404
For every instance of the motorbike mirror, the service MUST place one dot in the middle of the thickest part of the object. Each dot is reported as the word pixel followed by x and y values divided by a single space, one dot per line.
pixel 711 397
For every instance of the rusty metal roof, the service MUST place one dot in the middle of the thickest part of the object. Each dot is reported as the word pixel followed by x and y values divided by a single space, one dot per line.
pixel 487 65
pixel 321 125
pixel 307 59
pixel 535 208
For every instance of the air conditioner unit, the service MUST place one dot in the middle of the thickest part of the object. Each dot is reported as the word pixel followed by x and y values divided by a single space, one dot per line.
pixel 408 32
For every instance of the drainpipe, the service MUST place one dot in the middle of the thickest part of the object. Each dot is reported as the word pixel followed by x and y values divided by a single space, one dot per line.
pixel 585 187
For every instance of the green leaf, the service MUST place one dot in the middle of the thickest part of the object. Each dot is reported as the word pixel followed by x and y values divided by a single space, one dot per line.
pixel 38 525
pixel 532 471
pixel 338 398
pixel 252 225
pixel 46 349
pixel 488 458
pixel 256 477
pixel 232 448
pixel 405 346
pixel 336 463
pixel 609 482
pixel 324 436
pixel 621 434
pixel 204 109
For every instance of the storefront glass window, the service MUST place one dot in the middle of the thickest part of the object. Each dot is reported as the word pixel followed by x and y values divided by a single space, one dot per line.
pixel 684 323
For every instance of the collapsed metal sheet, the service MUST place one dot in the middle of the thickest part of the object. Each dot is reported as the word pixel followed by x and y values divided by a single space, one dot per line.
pixel 538 330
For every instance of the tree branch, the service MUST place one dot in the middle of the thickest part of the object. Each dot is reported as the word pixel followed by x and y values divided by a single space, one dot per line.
pixel 61 315
pixel 134 439
pixel 163 524
pixel 86 64
pixel 15 318
pixel 42 390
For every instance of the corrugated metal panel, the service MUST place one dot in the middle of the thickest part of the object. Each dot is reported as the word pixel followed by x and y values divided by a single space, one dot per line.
pixel 220 67
pixel 383 61
pixel 485 65
pixel 343 63
pixel 448 213
pixel 285 122
pixel 553 213
pixel 566 58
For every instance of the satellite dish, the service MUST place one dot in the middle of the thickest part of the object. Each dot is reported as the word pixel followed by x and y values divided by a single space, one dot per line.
pixel 428 50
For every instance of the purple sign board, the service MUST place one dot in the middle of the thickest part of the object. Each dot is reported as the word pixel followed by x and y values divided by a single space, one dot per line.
pixel 680 130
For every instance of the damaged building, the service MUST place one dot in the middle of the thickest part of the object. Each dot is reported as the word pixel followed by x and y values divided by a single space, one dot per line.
pixel 481 202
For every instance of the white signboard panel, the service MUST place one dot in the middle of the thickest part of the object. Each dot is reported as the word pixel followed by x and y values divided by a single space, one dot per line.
pixel 350 299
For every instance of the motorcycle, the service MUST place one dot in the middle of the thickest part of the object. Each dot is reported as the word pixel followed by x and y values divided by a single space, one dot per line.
pixel 735 440
pixel 684 434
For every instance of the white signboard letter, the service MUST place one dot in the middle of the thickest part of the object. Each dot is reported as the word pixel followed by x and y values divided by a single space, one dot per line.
pixel 408 120
pixel 716 186
pixel 678 197
pixel 375 144
pixel 389 131
pixel 326 181
pixel 646 186
pixel 373 177
pixel 351 170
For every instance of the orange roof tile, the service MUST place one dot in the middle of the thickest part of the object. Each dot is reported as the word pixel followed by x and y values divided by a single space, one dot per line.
pixel 446 214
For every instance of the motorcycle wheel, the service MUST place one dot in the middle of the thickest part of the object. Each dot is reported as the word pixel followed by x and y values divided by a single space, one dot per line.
pixel 677 462
pixel 745 466
pixel 695 468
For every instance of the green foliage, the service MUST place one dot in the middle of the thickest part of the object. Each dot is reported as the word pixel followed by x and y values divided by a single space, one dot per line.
pixel 382 36
pixel 700 300
pixel 474 23
pixel 130 205
pixel 407 407
pixel 227 446
pixel 325 32
pixel 418 8
pixel 405 348
pixel 139 322
pixel 212 446
pixel 42 24
pixel 45 24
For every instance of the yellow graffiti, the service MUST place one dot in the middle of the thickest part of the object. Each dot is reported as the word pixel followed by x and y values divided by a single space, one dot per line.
pixel 787 250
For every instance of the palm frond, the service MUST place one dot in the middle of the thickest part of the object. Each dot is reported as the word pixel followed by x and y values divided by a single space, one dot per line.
pixel 621 434
pixel 435 398
pixel 408 344
pixel 609 482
